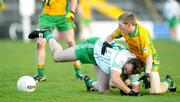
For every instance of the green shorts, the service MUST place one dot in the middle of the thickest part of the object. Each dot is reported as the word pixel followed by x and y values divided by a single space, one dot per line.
pixel 60 22
pixel 84 51
pixel 174 21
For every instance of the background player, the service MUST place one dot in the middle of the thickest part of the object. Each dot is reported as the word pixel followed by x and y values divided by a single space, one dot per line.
pixel 56 14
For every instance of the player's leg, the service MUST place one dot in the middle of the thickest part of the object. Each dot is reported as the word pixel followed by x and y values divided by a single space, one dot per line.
pixel 155 83
pixel 40 50
pixel 102 83
pixel 69 38
pixel 40 59
pixel 160 87
pixel 65 56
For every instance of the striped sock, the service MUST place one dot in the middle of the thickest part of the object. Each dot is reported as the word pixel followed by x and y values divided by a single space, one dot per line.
pixel 41 70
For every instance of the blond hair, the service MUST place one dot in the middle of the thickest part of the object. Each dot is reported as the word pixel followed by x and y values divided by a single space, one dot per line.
pixel 127 17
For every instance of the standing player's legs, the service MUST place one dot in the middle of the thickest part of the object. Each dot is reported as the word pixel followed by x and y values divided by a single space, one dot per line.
pixel 102 83
pixel 43 22
pixel 40 59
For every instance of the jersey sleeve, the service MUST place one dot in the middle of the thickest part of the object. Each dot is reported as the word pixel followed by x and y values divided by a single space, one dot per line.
pixel 146 44
pixel 116 34
pixel 134 79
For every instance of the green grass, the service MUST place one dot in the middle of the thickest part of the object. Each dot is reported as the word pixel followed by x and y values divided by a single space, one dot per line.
pixel 18 59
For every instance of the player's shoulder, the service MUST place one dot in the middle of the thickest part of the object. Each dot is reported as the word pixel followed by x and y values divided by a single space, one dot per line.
pixel 143 32
pixel 142 28
pixel 118 46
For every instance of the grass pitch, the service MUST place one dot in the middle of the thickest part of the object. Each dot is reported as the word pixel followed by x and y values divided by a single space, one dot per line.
pixel 18 59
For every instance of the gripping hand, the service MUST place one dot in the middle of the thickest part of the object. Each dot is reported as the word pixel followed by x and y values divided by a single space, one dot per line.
pixel 146 80
pixel 70 16
pixel 104 47
pixel 133 93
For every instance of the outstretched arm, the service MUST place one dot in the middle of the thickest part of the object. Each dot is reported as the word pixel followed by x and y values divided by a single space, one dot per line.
pixel 118 82
pixel 73 5
pixel 109 38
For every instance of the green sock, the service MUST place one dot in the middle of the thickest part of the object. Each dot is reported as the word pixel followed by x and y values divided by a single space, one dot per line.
pixel 77 69
pixel 90 83
pixel 41 71
pixel 48 35
pixel 168 82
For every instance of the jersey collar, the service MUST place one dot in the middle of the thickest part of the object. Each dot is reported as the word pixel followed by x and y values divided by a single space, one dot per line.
pixel 135 33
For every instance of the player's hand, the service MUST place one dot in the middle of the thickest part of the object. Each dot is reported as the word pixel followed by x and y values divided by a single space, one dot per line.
pixel 104 47
pixel 48 2
pixel 70 16
pixel 146 80
pixel 133 93
pixel 122 93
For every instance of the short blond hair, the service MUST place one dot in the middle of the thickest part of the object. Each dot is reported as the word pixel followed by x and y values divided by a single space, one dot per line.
pixel 127 17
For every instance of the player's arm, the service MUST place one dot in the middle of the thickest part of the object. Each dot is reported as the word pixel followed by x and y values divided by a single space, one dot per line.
pixel 118 82
pixel 147 53
pixel 114 35
pixel 146 76
pixel 109 38
pixel 71 13
pixel 73 5
pixel 149 62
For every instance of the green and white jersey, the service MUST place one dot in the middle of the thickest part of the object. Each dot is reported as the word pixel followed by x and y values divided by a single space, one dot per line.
pixel 113 59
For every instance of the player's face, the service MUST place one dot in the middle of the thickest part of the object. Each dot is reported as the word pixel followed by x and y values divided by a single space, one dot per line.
pixel 127 69
pixel 125 27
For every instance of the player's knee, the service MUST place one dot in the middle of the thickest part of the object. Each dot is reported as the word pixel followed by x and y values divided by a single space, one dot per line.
pixel 152 91
pixel 103 88
pixel 155 90
pixel 56 58
pixel 102 91
pixel 41 44
pixel 70 43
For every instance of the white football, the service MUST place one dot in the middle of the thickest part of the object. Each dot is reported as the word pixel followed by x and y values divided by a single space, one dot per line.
pixel 26 84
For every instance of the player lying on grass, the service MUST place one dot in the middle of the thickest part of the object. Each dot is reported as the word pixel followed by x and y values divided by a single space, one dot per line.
pixel 139 42
pixel 116 64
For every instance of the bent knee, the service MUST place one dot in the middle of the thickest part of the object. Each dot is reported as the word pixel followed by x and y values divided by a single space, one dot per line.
pixel 56 58
pixel 71 43
pixel 41 44
pixel 102 91
pixel 155 91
